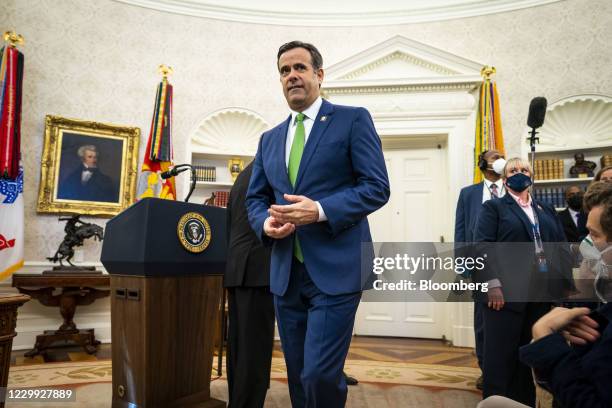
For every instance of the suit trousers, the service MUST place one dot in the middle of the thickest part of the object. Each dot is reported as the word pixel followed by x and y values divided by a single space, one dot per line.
pixel 479 331
pixel 316 331
pixel 506 331
pixel 250 341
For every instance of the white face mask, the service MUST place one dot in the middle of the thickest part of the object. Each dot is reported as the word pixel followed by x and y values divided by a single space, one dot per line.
pixel 588 249
pixel 603 280
pixel 603 272
pixel 498 166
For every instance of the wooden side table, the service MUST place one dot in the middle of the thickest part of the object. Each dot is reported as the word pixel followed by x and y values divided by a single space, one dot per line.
pixel 9 302
pixel 77 289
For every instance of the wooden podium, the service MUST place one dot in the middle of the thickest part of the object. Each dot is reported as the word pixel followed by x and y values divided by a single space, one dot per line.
pixel 164 303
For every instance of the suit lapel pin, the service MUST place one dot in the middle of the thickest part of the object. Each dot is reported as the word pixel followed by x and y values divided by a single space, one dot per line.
pixel 323 118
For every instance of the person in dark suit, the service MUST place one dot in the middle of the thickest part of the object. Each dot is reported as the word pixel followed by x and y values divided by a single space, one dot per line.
pixel 468 207
pixel 316 177
pixel 87 182
pixel 523 276
pixel 251 307
pixel 573 217
pixel 571 352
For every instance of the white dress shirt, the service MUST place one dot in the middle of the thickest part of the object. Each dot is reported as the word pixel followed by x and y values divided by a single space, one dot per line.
pixel 574 215
pixel 310 114
pixel 85 174
pixel 526 207
pixel 486 191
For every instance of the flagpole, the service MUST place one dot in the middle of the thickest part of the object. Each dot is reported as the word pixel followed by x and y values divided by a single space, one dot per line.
pixel 487 72
pixel 165 71
pixel 12 39
pixel 11 173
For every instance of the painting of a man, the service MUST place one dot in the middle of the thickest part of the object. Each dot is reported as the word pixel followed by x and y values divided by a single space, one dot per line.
pixel 83 179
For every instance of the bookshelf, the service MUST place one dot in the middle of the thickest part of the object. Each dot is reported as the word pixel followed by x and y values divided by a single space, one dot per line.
pixel 575 124
pixel 563 181
pixel 211 184
pixel 552 190
pixel 222 177
pixel 225 134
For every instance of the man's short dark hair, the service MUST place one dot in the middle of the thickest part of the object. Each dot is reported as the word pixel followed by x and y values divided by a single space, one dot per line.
pixel 315 56
pixel 600 193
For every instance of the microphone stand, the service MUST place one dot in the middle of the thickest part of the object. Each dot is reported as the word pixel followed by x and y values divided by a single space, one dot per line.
pixel 193 184
pixel 533 139
pixel 178 169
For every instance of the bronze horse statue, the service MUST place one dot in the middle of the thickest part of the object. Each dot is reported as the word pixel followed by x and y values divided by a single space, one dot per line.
pixel 75 235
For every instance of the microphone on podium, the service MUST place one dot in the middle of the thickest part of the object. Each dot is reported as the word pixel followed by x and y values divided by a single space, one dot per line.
pixel 175 171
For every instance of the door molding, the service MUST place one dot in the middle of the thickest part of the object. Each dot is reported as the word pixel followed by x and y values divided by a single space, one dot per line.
pixel 415 91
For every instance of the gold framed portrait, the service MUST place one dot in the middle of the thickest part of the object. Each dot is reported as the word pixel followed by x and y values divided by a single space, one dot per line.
pixel 87 168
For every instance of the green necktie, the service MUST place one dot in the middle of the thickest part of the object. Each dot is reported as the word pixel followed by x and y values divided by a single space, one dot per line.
pixel 295 156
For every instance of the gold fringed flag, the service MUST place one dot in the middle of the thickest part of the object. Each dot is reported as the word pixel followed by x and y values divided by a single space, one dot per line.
pixel 11 76
pixel 489 133
pixel 158 154
pixel 11 173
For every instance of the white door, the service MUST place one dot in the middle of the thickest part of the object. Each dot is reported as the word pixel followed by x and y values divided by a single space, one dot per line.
pixel 416 212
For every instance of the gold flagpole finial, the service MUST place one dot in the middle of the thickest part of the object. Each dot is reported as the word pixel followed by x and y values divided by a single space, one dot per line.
pixel 486 72
pixel 13 39
pixel 165 70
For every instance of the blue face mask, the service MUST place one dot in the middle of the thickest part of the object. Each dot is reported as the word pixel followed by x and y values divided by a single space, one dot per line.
pixel 518 182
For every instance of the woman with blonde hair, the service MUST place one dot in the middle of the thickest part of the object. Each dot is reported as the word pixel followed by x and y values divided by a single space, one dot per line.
pixel 524 273
pixel 605 174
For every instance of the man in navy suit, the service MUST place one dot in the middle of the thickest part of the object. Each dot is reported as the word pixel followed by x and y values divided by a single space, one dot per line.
pixel 468 207
pixel 573 217
pixel 316 177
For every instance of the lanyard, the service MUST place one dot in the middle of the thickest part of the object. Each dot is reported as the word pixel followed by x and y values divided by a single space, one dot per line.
pixel 535 226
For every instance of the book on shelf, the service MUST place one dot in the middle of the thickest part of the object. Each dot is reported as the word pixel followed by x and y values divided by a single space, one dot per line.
pixel 221 198
pixel 554 196
pixel 549 169
pixel 205 173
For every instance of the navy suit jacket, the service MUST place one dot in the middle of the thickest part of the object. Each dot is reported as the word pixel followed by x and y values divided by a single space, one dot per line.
pixel 504 221
pixel 343 168
pixel 468 207
pixel 99 187
pixel 573 232
pixel 578 376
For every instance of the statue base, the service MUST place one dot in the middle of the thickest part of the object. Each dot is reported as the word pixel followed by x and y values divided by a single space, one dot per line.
pixel 72 270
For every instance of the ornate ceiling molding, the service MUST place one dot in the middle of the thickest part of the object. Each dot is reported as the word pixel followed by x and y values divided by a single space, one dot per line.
pixel 336 14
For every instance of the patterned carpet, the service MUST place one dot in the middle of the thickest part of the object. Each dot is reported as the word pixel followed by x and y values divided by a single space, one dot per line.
pixel 382 384
pixel 392 373
pixel 423 375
